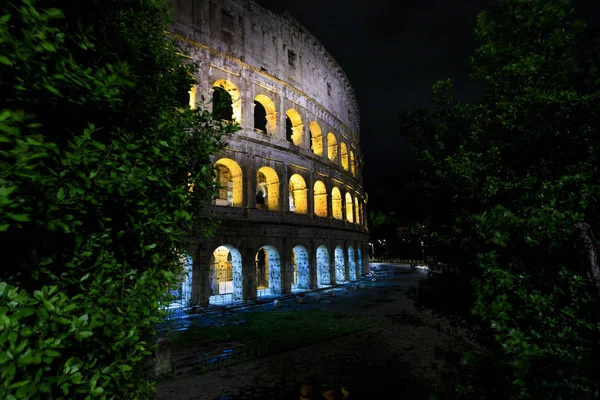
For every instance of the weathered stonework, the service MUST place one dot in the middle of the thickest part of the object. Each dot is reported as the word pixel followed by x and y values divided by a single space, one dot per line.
pixel 292 177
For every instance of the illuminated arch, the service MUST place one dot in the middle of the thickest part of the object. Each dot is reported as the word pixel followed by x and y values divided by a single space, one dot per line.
pixel 344 155
pixel 267 189
pixel 230 89
pixel 356 211
pixel 323 275
pixel 298 197
pixel 349 212
pixel 301 275
pixel 352 264
pixel 229 178
pixel 316 138
pixel 268 271
pixel 340 268
pixel 320 199
pixel 225 275
pixel 332 149
pixel 293 127
pixel 268 116
pixel 336 203
pixel 352 164
pixel 192 94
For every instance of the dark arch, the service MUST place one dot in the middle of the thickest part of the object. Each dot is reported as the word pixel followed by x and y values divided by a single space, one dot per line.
pixel 260 117
pixel 222 104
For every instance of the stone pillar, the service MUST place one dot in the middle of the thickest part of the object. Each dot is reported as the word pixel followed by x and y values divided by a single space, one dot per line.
pixel 247 99
pixel 285 189
pixel 249 272
pixel 250 181
pixel 329 199
pixel 280 132
pixel 201 277
pixel 312 266
pixel 332 271
pixel 310 195
pixel 346 262
pixel 287 266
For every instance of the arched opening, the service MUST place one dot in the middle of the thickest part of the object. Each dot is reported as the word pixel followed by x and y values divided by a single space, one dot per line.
pixel 344 156
pixel 323 276
pixel 360 263
pixel 349 212
pixel 336 203
pixel 225 275
pixel 298 198
pixel 265 115
pixel 229 178
pixel 268 271
pixel 352 264
pixel 356 211
pixel 267 189
pixel 320 199
pixel 293 127
pixel 340 269
pixel 352 165
pixel 227 104
pixel 192 97
pixel 332 149
pixel 316 138
pixel 301 274
pixel 260 118
pixel 182 288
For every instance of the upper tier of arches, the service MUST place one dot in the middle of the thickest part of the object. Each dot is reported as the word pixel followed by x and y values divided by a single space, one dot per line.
pixel 227 105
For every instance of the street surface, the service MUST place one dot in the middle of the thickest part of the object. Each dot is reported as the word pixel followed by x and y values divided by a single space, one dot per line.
pixel 400 358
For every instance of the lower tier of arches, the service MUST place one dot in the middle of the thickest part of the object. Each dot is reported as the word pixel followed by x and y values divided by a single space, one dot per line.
pixel 248 261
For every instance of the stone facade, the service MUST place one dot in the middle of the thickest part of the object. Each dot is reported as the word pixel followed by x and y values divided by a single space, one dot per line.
pixel 292 206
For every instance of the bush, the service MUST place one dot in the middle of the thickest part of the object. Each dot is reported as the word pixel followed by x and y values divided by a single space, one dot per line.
pixel 104 172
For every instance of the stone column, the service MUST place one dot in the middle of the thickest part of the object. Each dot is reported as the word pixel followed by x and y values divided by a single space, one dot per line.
pixel 332 270
pixel 287 267
pixel 250 181
pixel 249 272
pixel 201 277
pixel 312 266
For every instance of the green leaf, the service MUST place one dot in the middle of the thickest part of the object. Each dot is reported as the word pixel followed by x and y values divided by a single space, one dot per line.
pixel 4 60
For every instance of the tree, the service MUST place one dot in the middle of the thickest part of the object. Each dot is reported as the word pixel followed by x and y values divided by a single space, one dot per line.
pixel 514 178
pixel 103 175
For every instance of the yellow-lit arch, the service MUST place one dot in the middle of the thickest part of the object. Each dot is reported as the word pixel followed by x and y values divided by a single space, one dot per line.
pixel 268 186
pixel 229 178
pixel 298 195
pixel 236 98
pixel 332 149
pixel 271 110
pixel 316 138
pixel 320 199
pixel 296 120
pixel 349 204
pixel 336 203
pixel 356 211
pixel 344 155
pixel 352 164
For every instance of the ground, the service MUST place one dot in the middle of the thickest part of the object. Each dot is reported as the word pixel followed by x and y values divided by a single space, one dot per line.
pixel 406 354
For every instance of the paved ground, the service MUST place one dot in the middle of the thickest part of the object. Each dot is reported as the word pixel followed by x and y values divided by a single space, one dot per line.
pixel 404 357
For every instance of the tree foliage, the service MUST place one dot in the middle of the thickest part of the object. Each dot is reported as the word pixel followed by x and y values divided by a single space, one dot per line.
pixel 98 154
pixel 512 185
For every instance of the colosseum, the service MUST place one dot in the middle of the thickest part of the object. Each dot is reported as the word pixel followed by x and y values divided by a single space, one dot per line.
pixel 291 206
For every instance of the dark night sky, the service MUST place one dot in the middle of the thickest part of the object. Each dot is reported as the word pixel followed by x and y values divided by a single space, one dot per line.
pixel 392 52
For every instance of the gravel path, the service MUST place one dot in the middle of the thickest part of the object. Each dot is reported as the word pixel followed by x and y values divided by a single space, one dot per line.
pixel 401 358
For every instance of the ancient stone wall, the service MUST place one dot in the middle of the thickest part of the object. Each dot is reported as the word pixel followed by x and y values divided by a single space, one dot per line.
pixel 292 206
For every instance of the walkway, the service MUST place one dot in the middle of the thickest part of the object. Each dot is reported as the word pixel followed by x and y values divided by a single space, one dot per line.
pixel 398 359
